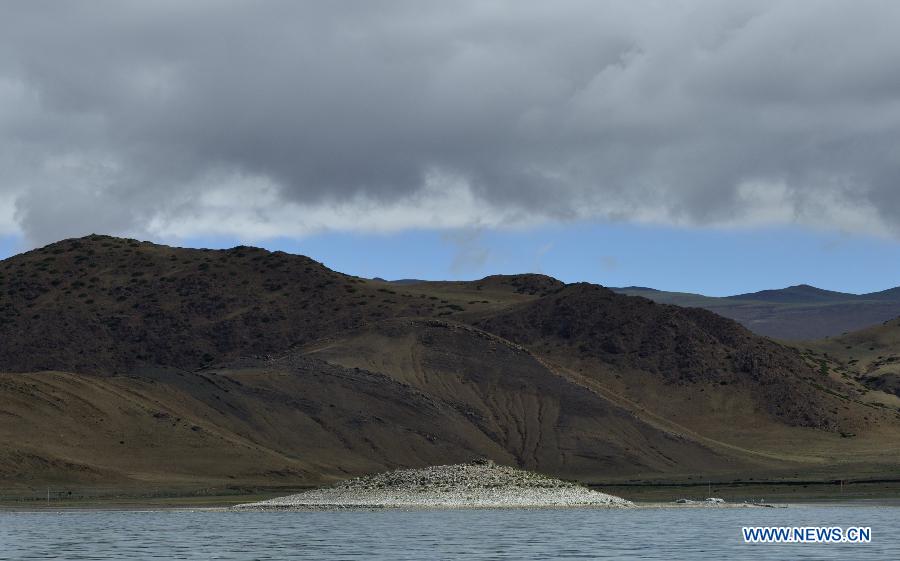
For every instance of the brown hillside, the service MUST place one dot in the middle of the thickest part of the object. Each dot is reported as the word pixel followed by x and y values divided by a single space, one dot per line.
pixel 295 421
pixel 676 345
pixel 143 364
pixel 103 304
pixel 543 420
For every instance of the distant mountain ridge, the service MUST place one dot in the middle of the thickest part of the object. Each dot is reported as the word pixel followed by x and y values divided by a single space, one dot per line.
pixel 807 294
pixel 797 294
pixel 793 313
pixel 399 281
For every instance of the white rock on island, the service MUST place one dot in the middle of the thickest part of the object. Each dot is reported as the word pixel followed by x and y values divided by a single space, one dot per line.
pixel 480 484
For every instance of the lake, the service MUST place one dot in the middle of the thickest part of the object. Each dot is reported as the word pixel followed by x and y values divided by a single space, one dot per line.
pixel 649 533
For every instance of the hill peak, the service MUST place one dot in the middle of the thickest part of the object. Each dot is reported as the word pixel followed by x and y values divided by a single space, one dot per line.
pixel 797 294
pixel 524 283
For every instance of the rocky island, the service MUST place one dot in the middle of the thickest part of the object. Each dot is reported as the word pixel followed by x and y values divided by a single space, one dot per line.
pixel 480 484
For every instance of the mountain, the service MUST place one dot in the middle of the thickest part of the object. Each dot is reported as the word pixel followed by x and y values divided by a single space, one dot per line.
pixel 584 322
pixel 400 281
pixel 107 305
pixel 683 299
pixel 891 294
pixel 794 313
pixel 131 365
pixel 799 294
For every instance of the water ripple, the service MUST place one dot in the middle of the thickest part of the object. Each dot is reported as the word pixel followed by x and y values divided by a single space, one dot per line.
pixel 397 535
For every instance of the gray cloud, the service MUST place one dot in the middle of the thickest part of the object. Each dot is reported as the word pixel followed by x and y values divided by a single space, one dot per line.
pixel 173 119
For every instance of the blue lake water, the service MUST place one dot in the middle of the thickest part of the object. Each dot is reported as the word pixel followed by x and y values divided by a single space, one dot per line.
pixel 473 534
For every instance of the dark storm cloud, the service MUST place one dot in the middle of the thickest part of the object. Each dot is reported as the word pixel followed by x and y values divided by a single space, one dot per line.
pixel 265 118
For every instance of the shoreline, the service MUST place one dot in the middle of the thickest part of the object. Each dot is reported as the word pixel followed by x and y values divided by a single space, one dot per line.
pixel 226 501
pixel 856 493
pixel 73 509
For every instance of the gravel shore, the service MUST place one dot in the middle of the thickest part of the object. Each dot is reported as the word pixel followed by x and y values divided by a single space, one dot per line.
pixel 472 485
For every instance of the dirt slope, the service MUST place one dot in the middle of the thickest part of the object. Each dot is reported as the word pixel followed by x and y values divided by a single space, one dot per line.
pixel 544 420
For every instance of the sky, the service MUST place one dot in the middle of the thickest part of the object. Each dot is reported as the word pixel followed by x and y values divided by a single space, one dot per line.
pixel 701 146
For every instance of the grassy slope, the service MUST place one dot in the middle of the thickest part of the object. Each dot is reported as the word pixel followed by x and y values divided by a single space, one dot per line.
pixel 869 358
